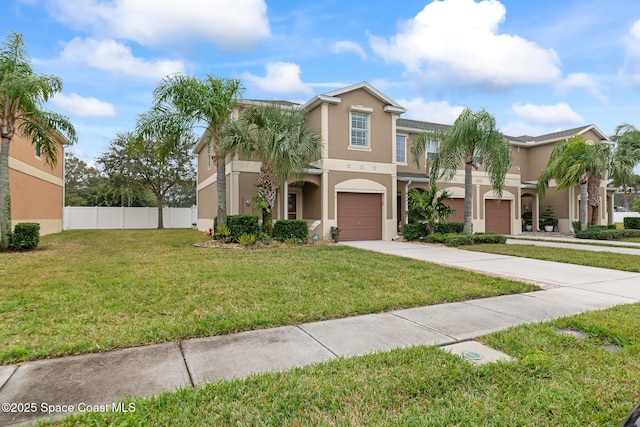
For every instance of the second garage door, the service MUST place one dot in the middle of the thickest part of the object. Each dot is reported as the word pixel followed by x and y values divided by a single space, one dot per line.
pixel 360 216
pixel 497 216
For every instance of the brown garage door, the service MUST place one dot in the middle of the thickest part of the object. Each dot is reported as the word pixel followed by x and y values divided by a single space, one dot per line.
pixel 458 206
pixel 497 216
pixel 360 216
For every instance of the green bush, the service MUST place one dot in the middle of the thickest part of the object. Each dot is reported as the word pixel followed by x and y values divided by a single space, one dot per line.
pixel 481 238
pixel 242 224
pixel 26 235
pixel 291 229
pixel 576 226
pixel 435 238
pixel 449 227
pixel 222 234
pixel 247 239
pixel 598 233
pixel 631 223
pixel 458 239
pixel 414 231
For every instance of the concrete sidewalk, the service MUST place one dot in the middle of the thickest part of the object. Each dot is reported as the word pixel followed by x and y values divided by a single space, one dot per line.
pixel 568 244
pixel 105 378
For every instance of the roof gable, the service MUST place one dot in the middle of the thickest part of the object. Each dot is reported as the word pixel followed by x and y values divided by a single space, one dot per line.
pixel 333 97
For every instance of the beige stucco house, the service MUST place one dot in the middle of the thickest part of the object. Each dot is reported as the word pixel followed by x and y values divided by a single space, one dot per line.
pixel 361 181
pixel 37 189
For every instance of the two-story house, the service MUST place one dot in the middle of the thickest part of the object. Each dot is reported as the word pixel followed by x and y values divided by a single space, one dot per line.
pixel 361 181
pixel 37 189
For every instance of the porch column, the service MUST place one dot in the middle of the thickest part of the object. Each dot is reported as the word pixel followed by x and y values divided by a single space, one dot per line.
pixel 285 199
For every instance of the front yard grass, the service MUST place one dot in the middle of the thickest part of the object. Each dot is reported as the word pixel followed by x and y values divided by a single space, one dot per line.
pixel 610 260
pixel 89 291
pixel 555 380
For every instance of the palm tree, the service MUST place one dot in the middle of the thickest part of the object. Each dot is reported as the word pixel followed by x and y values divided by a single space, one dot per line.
pixel 625 158
pixel 572 161
pixel 22 93
pixel 278 138
pixel 473 139
pixel 428 207
pixel 183 102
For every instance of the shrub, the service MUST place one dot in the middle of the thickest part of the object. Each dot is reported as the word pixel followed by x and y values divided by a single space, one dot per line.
pixel 242 224
pixel 576 226
pixel 631 223
pixel 288 229
pixel 458 239
pixel 247 239
pixel 480 238
pixel 597 232
pixel 223 234
pixel 413 231
pixel 26 235
pixel 449 227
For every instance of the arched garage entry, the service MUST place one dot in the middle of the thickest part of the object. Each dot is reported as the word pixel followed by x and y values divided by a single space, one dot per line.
pixel 359 209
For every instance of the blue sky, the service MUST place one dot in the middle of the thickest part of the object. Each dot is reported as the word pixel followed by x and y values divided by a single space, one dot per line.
pixel 536 66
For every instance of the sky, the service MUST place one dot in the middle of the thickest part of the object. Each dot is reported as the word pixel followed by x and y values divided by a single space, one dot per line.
pixel 537 66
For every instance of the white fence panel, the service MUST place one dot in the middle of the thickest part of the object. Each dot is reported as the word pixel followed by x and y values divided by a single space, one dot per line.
pixel 620 216
pixel 102 218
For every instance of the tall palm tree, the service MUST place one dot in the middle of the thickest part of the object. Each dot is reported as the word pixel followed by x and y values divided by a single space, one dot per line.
pixel 278 138
pixel 22 93
pixel 572 161
pixel 625 158
pixel 472 140
pixel 182 103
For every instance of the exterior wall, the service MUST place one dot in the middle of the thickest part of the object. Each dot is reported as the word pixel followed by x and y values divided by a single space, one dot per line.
pixel 380 136
pixel 37 189
pixel 410 166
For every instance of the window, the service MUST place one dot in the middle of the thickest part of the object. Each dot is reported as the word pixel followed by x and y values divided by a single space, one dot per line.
pixel 401 149
pixel 38 151
pixel 432 148
pixel 208 156
pixel 359 130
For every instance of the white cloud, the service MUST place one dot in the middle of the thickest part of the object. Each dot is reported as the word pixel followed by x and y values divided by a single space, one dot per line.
pixel 348 46
pixel 84 107
pixel 458 41
pixel 109 55
pixel 518 128
pixel 630 73
pixel 584 81
pixel 282 77
pixel 434 111
pixel 230 24
pixel 557 114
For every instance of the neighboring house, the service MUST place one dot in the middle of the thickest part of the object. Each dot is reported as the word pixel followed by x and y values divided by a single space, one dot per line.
pixel 37 189
pixel 365 169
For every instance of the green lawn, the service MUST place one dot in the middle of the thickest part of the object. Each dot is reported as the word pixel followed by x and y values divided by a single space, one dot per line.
pixel 555 380
pixel 89 291
pixel 570 256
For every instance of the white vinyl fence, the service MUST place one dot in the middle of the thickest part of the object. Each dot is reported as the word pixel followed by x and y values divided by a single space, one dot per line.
pixel 100 218
pixel 619 216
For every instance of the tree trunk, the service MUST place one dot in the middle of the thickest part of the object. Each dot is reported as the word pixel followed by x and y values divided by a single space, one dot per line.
pixel 160 200
pixel 468 199
pixel 584 202
pixel 267 191
pixel 267 221
pixel 593 187
pixel 221 186
pixel 5 197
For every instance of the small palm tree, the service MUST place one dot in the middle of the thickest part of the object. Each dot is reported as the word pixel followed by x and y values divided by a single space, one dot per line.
pixel 472 140
pixel 180 104
pixel 22 93
pixel 278 138
pixel 575 161
pixel 428 207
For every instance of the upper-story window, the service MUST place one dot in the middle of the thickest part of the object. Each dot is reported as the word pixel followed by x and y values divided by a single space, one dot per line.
pixel 38 151
pixel 401 149
pixel 209 156
pixel 360 129
pixel 432 148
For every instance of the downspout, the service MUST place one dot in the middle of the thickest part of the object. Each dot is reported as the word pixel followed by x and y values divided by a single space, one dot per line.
pixel 538 213
pixel 406 202
pixel 571 210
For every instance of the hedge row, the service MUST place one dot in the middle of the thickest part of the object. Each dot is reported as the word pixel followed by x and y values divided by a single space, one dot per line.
pixel 291 230
pixel 631 223
pixel 415 231
pixel 598 233
pixel 457 239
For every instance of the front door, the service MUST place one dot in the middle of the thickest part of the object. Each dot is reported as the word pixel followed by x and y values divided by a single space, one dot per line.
pixel 292 206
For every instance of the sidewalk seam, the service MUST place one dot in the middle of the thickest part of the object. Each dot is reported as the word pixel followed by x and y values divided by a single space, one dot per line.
pixel 9 378
pixel 420 325
pixel 186 365
pixel 316 340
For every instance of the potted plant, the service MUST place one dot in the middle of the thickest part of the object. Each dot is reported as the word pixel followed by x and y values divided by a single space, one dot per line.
pixel 527 220
pixel 548 219
pixel 335 234
pixel 266 239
